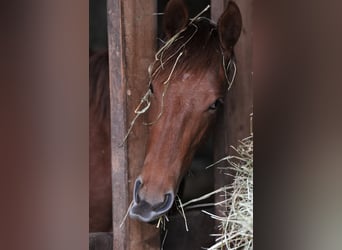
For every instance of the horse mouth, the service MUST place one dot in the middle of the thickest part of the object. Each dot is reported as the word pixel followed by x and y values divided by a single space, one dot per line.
pixel 147 212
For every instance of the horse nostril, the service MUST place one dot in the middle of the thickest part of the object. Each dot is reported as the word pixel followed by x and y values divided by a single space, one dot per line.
pixel 166 204
pixel 137 186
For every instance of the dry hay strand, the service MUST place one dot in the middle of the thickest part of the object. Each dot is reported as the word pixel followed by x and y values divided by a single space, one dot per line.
pixel 126 214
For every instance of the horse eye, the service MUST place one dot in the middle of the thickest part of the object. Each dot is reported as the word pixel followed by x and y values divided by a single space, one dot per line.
pixel 216 104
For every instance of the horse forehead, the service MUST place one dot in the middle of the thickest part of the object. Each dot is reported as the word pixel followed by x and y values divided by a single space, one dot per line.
pixel 192 90
pixel 192 82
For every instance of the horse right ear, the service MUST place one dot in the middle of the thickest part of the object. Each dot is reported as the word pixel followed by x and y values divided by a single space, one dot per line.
pixel 175 17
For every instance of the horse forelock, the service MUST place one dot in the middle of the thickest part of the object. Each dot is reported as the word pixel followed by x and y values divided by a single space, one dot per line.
pixel 195 49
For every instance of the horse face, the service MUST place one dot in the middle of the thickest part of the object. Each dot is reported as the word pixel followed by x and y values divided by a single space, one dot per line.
pixel 188 111
pixel 181 116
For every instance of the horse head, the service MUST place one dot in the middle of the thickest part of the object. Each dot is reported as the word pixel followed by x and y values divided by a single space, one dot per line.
pixel 188 82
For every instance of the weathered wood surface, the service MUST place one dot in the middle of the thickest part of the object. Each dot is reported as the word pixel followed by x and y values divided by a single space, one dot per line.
pixel 117 79
pixel 131 36
pixel 216 9
pixel 140 42
pixel 234 125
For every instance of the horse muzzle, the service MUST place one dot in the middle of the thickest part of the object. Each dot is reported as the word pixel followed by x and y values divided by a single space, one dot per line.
pixel 148 211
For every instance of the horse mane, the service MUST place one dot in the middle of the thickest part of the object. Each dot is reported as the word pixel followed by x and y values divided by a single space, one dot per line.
pixel 99 85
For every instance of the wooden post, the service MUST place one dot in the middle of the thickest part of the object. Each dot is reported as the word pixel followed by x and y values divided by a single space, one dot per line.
pixel 216 9
pixel 131 38
pixel 234 125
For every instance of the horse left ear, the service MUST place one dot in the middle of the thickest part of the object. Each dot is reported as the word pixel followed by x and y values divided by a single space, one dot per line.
pixel 229 26
pixel 175 17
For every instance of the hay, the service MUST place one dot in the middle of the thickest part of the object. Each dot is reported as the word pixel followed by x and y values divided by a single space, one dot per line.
pixel 163 241
pixel 227 69
pixel 162 222
pixel 140 109
pixel 126 214
pixel 236 221
pixel 180 208
pixel 166 85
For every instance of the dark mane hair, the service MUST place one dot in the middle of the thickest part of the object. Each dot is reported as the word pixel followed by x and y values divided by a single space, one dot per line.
pixel 99 85
pixel 199 43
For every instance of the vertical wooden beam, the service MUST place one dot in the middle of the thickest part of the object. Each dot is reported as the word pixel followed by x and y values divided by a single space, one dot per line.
pixel 234 125
pixel 131 36
pixel 140 40
pixel 216 9
pixel 117 81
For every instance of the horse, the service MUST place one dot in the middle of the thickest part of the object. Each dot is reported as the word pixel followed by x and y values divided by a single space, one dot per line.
pixel 188 82
pixel 100 188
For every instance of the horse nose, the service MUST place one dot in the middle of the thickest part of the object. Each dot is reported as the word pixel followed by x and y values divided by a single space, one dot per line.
pixel 146 211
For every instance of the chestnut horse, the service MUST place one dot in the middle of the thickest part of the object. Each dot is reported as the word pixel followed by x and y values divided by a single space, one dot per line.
pixel 187 87
pixel 188 82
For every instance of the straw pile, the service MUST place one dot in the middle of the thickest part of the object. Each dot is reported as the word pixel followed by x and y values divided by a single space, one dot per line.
pixel 236 210
pixel 236 220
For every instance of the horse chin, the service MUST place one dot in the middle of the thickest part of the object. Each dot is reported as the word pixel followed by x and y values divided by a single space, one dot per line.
pixel 148 217
pixel 145 212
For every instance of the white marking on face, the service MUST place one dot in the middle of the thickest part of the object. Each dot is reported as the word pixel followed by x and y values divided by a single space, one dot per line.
pixel 185 76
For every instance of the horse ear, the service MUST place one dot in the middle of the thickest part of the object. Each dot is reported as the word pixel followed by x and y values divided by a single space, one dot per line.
pixel 229 26
pixel 175 17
